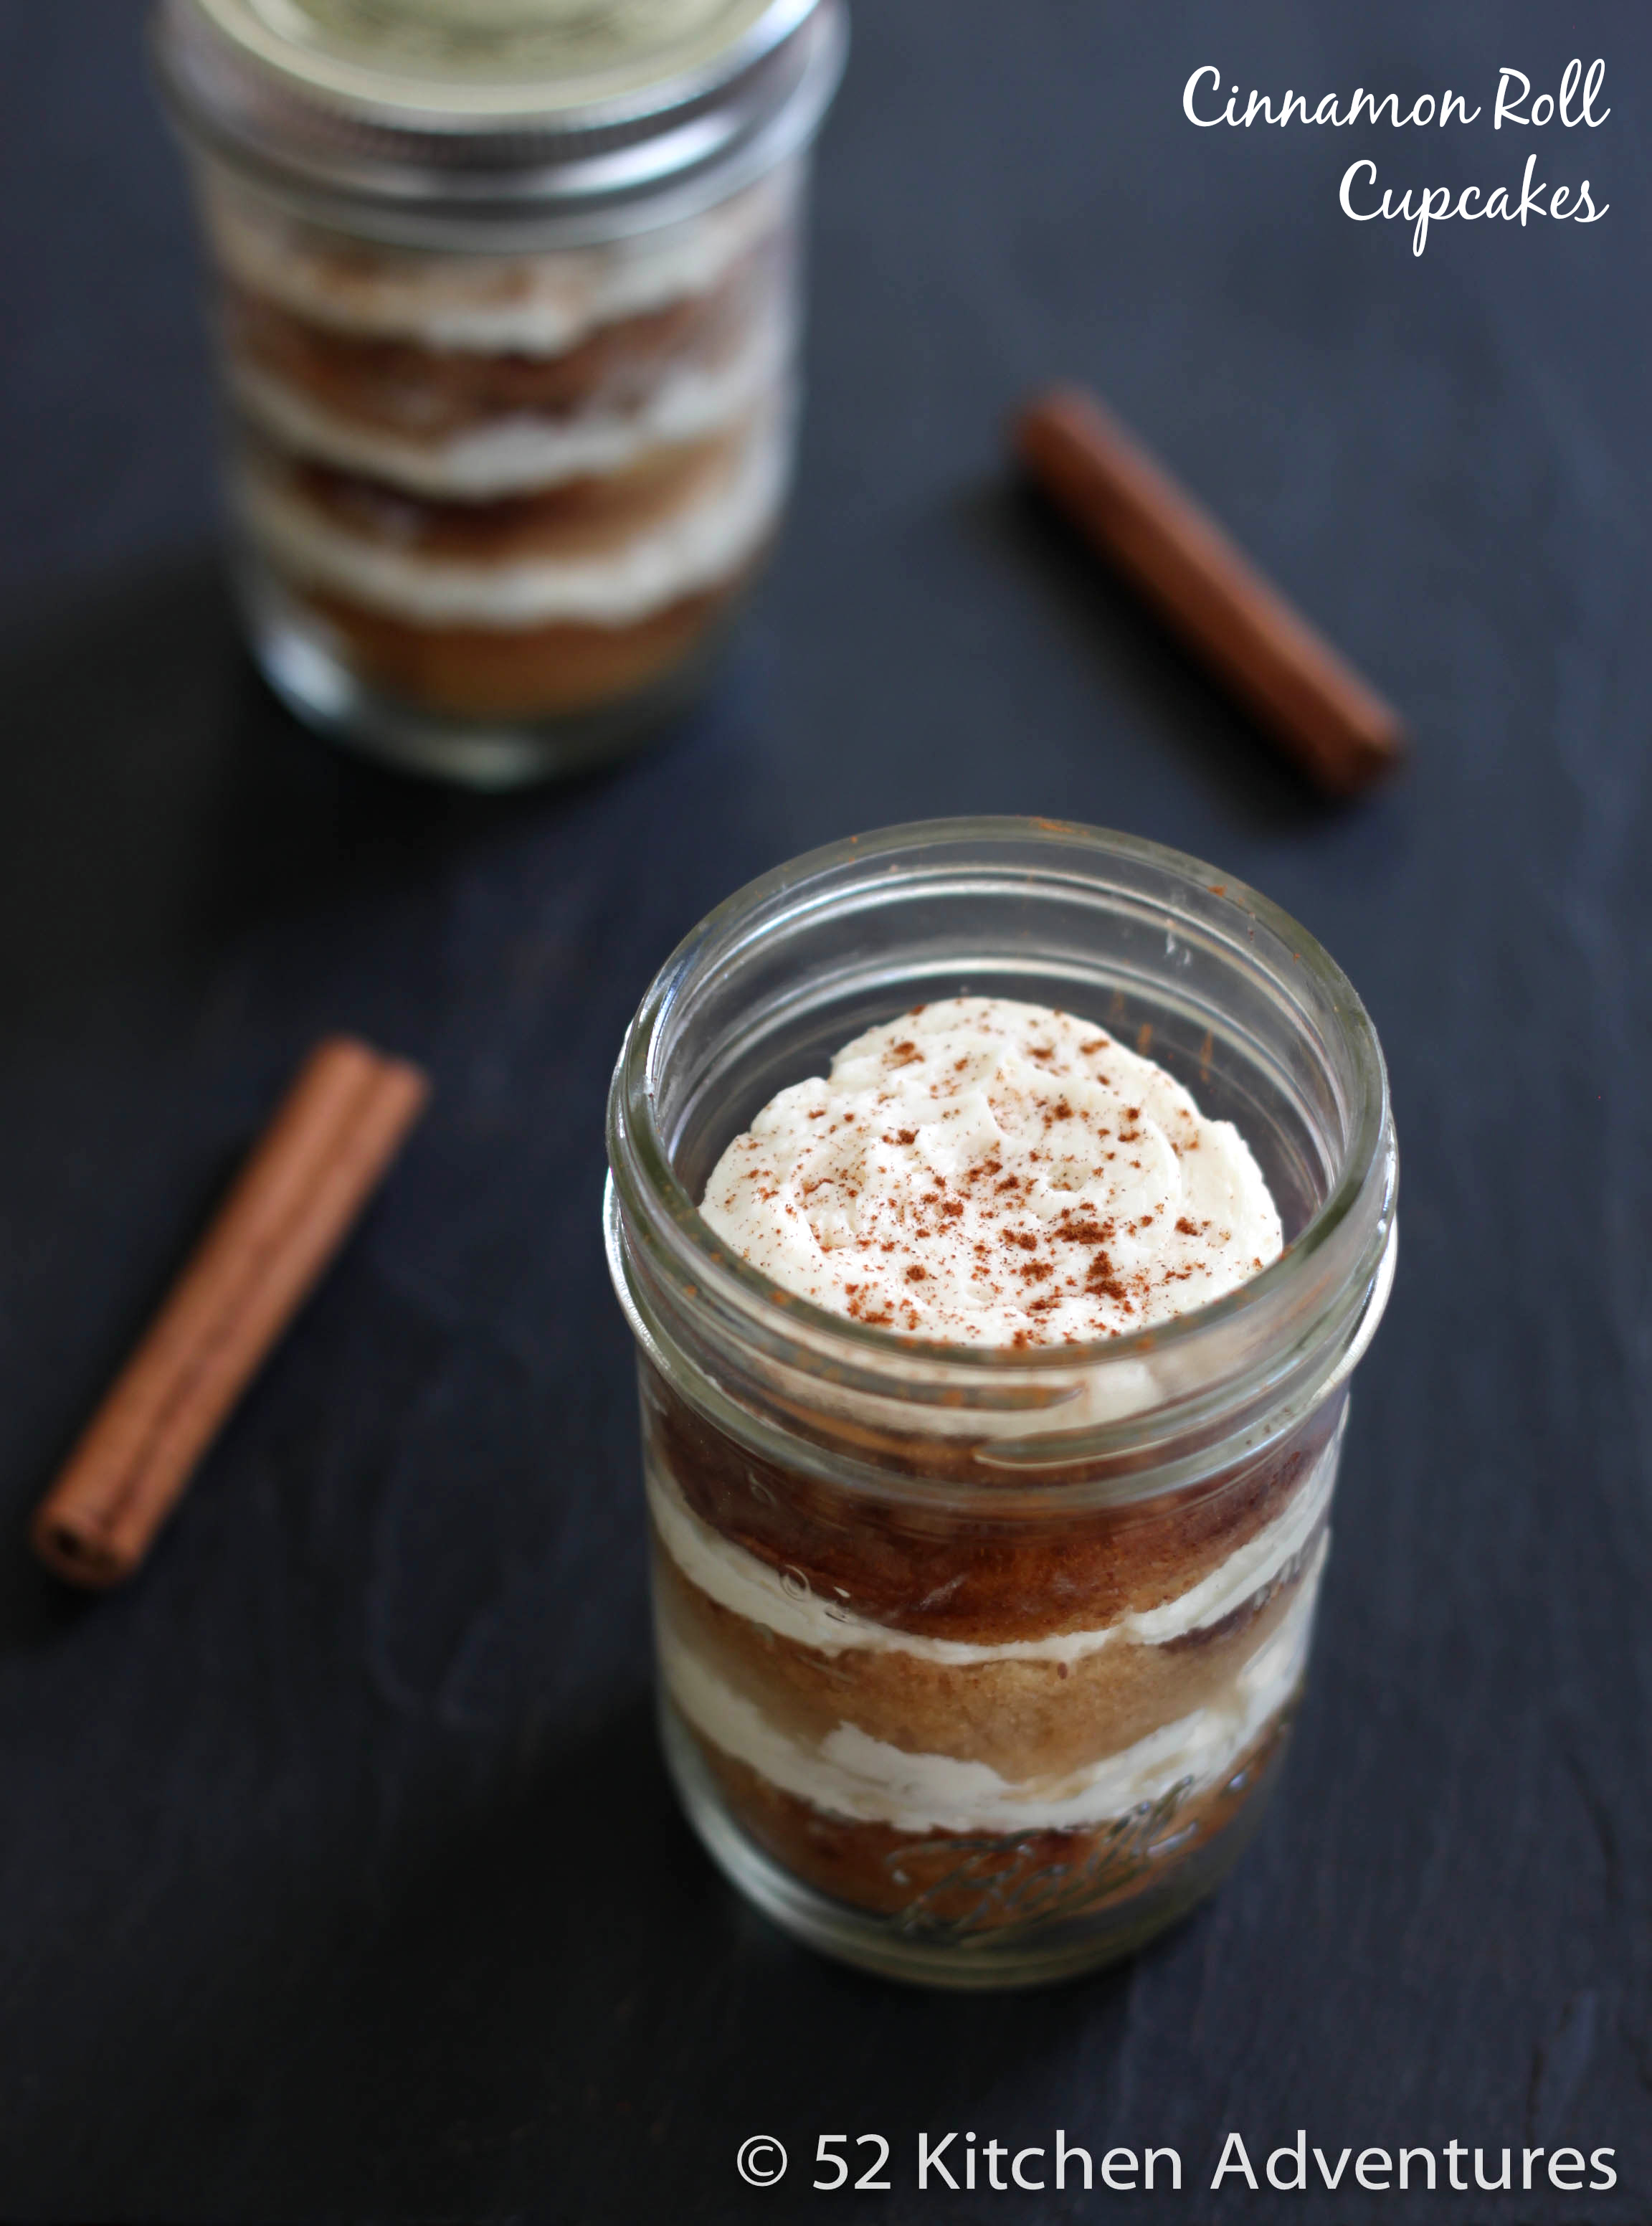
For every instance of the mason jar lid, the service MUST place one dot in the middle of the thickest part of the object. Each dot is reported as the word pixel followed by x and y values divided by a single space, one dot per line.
pixel 508 107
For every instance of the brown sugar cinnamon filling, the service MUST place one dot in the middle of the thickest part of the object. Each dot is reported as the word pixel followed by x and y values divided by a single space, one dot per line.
pixel 591 515
pixel 428 392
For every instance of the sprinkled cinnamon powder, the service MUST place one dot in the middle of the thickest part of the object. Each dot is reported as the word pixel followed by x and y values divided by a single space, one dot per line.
pixel 983 1171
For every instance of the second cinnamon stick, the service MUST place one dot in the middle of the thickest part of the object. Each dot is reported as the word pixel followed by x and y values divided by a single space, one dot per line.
pixel 1307 696
pixel 323 1154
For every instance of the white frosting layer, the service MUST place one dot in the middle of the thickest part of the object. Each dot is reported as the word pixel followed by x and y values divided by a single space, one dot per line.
pixel 850 1774
pixel 1251 1568
pixel 984 1171
pixel 541 304
pixel 786 1605
pixel 696 547
pixel 513 454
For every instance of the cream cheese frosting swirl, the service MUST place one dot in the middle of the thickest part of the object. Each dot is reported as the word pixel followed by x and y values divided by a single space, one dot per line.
pixel 983 1171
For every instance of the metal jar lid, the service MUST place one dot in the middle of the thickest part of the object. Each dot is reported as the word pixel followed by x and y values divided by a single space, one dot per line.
pixel 476 120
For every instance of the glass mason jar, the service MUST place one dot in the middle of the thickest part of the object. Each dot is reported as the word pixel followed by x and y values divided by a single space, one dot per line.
pixel 507 306
pixel 976 1663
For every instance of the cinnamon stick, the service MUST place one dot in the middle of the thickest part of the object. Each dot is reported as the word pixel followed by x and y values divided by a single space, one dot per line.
pixel 331 1140
pixel 1307 697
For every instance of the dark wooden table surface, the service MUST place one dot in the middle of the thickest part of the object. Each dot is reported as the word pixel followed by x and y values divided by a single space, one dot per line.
pixel 338 1873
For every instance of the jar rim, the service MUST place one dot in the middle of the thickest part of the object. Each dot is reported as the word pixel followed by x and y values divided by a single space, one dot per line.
pixel 655 1205
pixel 631 158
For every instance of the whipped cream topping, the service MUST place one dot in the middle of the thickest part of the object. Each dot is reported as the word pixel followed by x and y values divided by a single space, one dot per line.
pixel 538 305
pixel 785 1603
pixel 851 1774
pixel 696 547
pixel 988 1172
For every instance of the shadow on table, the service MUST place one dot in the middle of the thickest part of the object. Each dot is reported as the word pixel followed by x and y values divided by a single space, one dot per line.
pixel 553 2006
pixel 169 835
pixel 492 1972
pixel 157 800
pixel 547 2005
pixel 566 2012
pixel 1107 627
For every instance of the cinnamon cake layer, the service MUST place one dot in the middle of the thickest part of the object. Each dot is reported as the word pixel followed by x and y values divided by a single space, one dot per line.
pixel 850 1772
pixel 1030 1718
pixel 979 1882
pixel 427 394
pixel 565 667
pixel 591 516
pixel 695 525
pixel 952 1576
pixel 520 454
pixel 513 486
pixel 848 1710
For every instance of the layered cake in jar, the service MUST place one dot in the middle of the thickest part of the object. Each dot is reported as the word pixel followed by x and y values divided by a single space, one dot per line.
pixel 517 487
pixel 955 1728
pixel 510 366
pixel 994 1375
